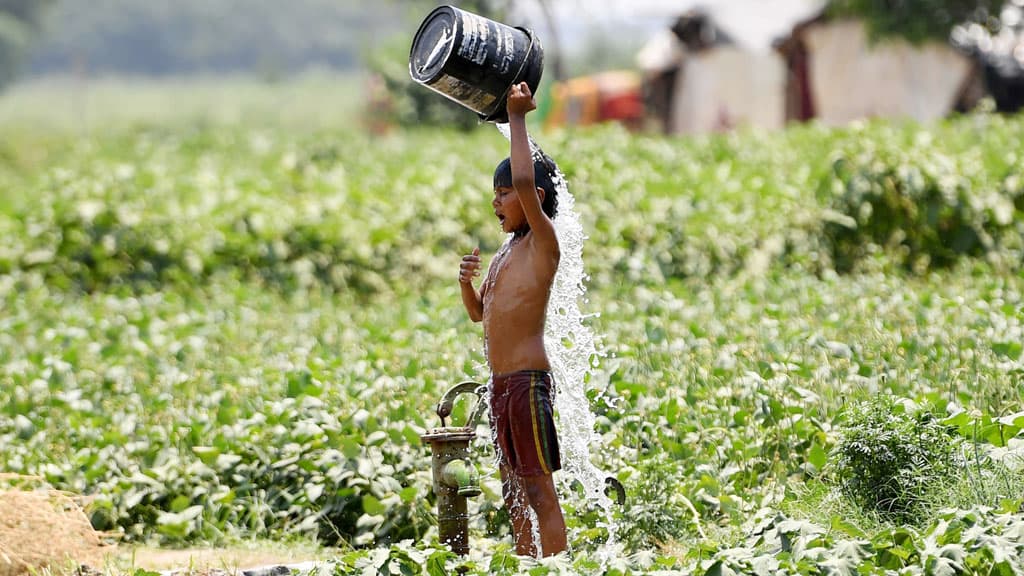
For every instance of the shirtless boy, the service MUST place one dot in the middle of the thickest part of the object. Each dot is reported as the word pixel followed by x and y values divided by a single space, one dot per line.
pixel 512 302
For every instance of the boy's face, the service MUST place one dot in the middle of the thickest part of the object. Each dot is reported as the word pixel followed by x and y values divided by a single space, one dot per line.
pixel 508 209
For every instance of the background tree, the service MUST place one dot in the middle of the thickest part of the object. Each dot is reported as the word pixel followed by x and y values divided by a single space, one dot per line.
pixel 141 37
pixel 19 24
pixel 414 104
pixel 915 20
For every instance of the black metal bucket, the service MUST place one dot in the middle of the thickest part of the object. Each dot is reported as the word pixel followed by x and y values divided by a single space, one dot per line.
pixel 474 61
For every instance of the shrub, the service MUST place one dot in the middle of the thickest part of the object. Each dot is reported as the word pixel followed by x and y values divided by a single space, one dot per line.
pixel 921 205
pixel 657 509
pixel 887 458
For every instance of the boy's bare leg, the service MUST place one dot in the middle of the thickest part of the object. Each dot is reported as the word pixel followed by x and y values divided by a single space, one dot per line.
pixel 516 503
pixel 540 490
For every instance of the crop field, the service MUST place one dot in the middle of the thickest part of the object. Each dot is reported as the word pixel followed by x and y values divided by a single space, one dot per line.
pixel 810 342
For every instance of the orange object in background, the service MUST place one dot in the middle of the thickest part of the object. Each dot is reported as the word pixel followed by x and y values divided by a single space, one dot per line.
pixel 613 96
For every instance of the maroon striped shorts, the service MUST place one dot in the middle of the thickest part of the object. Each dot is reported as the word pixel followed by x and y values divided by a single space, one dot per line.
pixel 523 423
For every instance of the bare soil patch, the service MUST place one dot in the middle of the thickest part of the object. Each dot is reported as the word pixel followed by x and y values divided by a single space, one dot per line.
pixel 203 560
pixel 45 529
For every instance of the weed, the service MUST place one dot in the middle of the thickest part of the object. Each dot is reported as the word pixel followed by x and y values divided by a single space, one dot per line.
pixel 888 458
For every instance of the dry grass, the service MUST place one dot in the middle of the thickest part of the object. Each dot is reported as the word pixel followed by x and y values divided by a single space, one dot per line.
pixel 231 560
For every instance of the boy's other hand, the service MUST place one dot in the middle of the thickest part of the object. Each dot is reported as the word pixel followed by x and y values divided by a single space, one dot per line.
pixel 470 267
pixel 520 100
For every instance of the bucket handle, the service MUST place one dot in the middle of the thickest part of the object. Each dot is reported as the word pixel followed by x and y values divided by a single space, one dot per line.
pixel 526 59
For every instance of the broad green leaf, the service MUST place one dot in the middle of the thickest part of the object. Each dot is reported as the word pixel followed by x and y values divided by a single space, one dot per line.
pixel 180 503
pixel 351 448
pixel 847 528
pixel 719 569
pixel 208 454
pixel 373 506
pixel 409 494
pixel 817 456
pixel 1015 420
pixel 437 564
pixel 1011 350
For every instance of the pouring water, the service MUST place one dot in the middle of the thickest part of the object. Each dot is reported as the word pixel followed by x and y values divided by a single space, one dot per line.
pixel 574 354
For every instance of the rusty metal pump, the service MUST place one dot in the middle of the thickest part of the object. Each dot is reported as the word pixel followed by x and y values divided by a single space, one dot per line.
pixel 455 476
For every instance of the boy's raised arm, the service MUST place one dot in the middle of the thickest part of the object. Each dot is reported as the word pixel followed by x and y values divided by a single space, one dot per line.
pixel 520 101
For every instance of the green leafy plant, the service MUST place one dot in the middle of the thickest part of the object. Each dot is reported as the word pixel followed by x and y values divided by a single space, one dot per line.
pixel 221 332
pixel 888 458
pixel 656 505
pixel 922 206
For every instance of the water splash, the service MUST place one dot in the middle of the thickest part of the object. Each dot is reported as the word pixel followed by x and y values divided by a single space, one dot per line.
pixel 574 355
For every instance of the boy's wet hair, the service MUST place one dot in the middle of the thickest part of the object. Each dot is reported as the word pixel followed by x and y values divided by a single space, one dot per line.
pixel 544 171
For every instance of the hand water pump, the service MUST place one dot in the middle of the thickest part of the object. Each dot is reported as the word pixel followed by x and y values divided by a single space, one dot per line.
pixel 455 477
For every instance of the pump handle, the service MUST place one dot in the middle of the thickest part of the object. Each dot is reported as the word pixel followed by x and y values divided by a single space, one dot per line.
pixel 447 403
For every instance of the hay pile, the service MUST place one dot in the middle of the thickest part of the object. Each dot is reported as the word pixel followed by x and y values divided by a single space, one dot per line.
pixel 45 529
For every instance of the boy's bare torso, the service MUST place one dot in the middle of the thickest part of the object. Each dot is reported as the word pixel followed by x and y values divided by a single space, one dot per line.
pixel 515 300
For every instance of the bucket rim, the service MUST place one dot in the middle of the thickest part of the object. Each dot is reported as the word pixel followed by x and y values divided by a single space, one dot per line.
pixel 453 11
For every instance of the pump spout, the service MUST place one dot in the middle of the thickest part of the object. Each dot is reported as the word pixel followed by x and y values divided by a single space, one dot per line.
pixel 461 476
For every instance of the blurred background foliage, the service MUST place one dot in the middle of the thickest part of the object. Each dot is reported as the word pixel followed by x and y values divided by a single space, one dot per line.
pixel 412 105
pixel 19 24
pixel 190 37
pixel 917 20
pixel 248 37
pixel 193 36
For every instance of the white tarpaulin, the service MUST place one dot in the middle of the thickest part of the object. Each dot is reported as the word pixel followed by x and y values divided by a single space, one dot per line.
pixel 729 87
pixel 852 79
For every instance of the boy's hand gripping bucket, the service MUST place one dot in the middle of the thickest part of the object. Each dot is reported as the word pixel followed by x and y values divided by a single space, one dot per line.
pixel 474 61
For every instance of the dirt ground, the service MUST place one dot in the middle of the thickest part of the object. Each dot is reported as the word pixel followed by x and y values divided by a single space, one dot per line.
pixel 47 529
pixel 230 560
